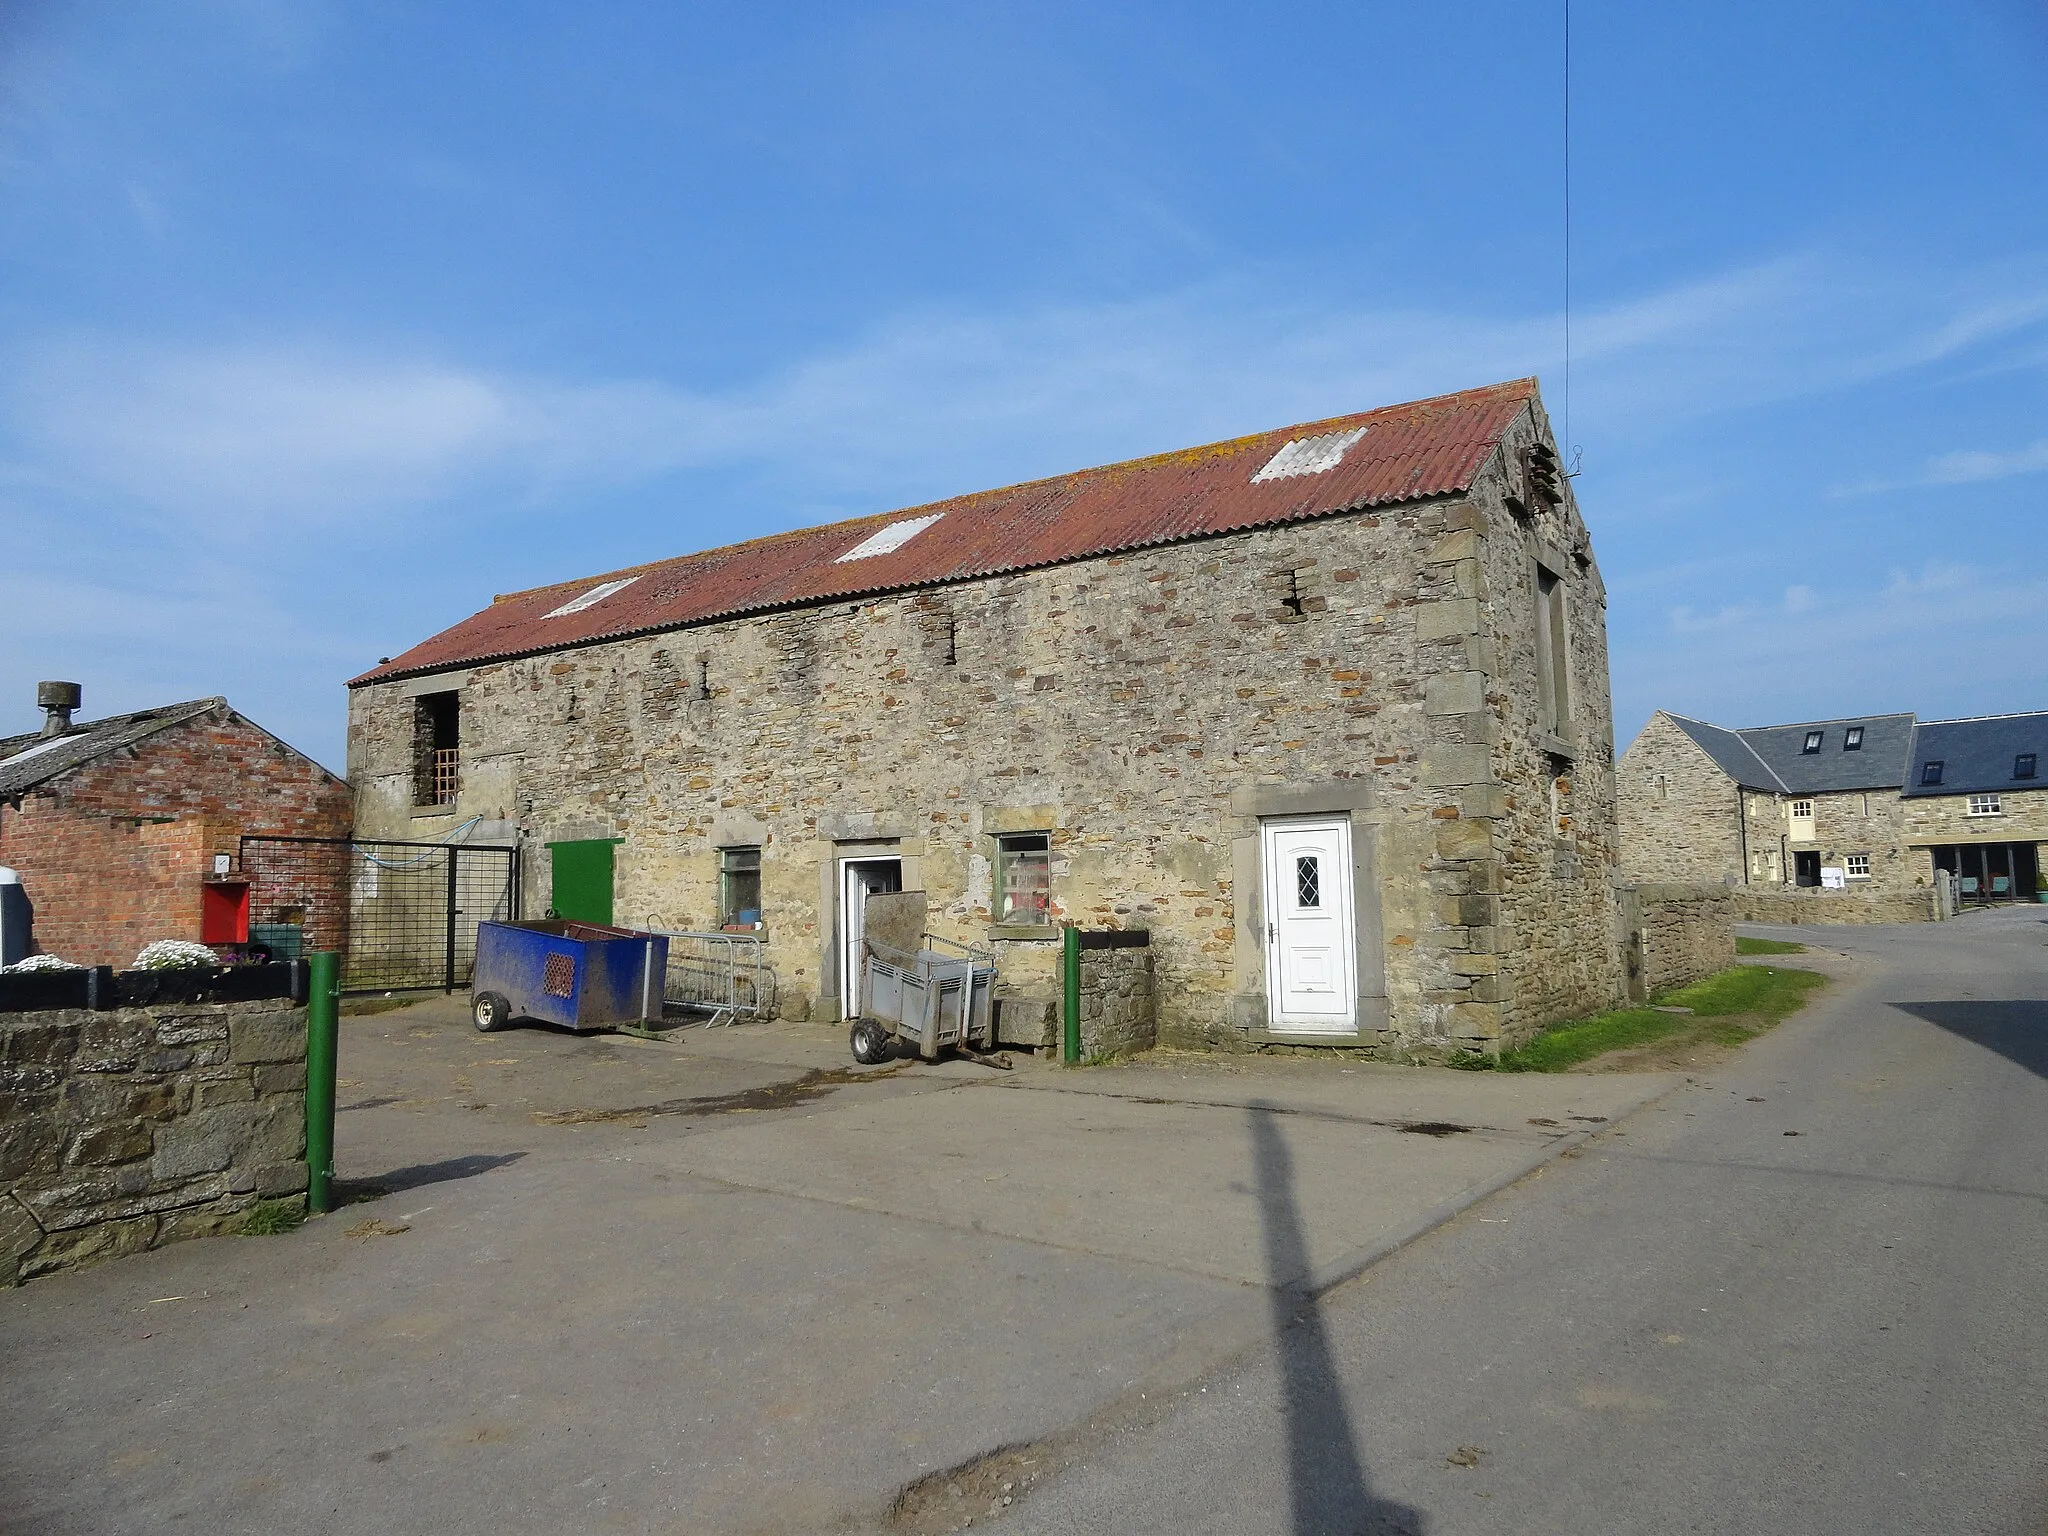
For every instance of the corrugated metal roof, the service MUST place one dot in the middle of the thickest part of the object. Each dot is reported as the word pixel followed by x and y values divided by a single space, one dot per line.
pixel 1424 448
pixel 1978 755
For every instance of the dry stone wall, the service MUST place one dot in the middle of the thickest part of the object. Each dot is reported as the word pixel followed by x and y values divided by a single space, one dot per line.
pixel 127 1129
pixel 1812 904
pixel 1118 1006
pixel 1677 934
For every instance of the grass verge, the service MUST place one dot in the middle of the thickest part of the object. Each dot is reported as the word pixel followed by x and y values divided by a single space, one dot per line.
pixel 272 1218
pixel 1766 947
pixel 1728 1008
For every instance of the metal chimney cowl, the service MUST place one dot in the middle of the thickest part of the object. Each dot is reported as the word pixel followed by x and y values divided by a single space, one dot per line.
pixel 57 700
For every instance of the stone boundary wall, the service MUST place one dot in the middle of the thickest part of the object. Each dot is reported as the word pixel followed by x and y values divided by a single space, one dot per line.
pixel 1817 904
pixel 1119 1003
pixel 127 1129
pixel 1676 934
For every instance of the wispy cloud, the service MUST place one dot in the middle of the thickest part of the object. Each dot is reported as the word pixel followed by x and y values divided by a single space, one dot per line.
pixel 1963 467
pixel 1829 649
pixel 928 403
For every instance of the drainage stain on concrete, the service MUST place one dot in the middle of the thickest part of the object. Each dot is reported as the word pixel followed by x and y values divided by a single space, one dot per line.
pixel 784 1095
pixel 1432 1128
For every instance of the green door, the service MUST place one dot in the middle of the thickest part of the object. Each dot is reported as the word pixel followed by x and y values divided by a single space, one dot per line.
pixel 582 887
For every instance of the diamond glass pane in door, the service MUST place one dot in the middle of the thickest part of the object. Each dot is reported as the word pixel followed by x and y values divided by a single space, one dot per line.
pixel 1308 882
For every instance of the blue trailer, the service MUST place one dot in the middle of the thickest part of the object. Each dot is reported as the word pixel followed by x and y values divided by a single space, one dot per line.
pixel 578 975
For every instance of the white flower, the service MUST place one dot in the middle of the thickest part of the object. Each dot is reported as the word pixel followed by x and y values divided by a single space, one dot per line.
pixel 175 955
pixel 39 963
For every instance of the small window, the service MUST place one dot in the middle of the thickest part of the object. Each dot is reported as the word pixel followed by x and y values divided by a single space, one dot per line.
pixel 1852 739
pixel 1308 881
pixel 2023 766
pixel 436 748
pixel 1930 771
pixel 1856 866
pixel 1802 810
pixel 1813 741
pixel 739 888
pixel 1985 805
pixel 1024 880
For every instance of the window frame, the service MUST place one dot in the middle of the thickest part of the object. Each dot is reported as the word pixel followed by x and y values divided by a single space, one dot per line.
pixel 1812 744
pixel 1985 803
pixel 1011 850
pixel 1849 869
pixel 1931 771
pixel 437 751
pixel 1553 654
pixel 733 869
pixel 2023 765
pixel 1797 814
pixel 1852 739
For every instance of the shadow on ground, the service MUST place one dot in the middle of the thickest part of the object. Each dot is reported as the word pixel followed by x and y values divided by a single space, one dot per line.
pixel 1327 1483
pixel 2018 1031
pixel 419 1174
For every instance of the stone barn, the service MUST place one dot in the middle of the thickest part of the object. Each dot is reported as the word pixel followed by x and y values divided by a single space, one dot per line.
pixel 1323 709
pixel 128 829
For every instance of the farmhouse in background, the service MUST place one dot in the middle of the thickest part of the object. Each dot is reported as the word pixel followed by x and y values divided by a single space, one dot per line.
pixel 1872 805
pixel 128 829
pixel 1324 709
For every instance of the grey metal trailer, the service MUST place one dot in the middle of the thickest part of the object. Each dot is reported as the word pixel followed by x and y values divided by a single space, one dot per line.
pixel 930 999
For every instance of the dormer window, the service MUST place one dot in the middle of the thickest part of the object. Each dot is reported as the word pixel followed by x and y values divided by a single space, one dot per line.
pixel 1930 772
pixel 2023 766
pixel 1852 739
pixel 1813 740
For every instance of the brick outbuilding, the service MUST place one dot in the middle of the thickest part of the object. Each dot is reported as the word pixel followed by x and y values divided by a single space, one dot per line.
pixel 127 829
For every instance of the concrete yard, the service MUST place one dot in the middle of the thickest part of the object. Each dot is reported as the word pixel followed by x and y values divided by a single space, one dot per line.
pixel 726 1283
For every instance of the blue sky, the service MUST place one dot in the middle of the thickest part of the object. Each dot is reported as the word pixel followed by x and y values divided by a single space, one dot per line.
pixel 324 323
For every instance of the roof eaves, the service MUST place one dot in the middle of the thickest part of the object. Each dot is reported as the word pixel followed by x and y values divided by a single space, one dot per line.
pixel 862 594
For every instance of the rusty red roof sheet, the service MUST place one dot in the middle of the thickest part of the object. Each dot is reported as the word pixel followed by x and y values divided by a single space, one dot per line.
pixel 1423 448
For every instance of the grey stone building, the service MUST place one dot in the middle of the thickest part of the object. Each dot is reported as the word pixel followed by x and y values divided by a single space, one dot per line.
pixel 1875 803
pixel 1324 709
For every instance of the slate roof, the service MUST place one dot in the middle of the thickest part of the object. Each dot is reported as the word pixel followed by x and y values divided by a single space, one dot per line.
pixel 1773 757
pixel 1346 463
pixel 29 760
pixel 1879 764
pixel 1977 754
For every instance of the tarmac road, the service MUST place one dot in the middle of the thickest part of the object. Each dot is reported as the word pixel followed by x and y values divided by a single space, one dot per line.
pixel 1807 1292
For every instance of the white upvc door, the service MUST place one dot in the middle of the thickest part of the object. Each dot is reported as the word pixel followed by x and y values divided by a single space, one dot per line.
pixel 858 880
pixel 1311 940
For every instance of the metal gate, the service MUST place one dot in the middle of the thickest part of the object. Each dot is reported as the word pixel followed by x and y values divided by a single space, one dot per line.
pixel 401 915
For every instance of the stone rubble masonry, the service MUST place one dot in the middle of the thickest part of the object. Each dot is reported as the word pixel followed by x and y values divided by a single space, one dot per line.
pixel 1678 934
pixel 113 854
pixel 1791 904
pixel 1684 819
pixel 1144 710
pixel 1118 1006
pixel 125 1130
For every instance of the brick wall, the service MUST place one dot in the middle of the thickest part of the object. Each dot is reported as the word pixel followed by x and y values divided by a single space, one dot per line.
pixel 113 854
pixel 128 1129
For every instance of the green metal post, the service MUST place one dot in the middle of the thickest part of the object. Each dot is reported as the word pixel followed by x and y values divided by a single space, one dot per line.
pixel 1070 985
pixel 323 1033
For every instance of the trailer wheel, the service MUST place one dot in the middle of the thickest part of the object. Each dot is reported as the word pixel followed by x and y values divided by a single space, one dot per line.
pixel 870 1042
pixel 489 1011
